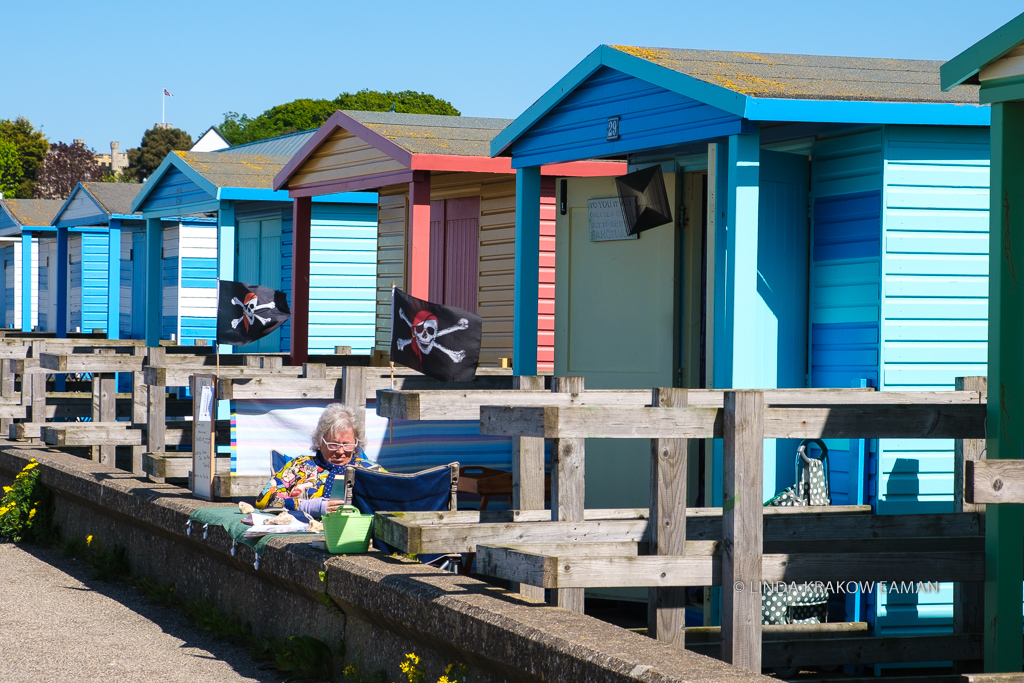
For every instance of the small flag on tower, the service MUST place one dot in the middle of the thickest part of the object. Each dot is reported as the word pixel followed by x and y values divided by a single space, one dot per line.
pixel 167 93
pixel 246 313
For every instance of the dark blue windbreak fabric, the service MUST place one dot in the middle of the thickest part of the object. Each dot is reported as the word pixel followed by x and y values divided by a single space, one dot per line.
pixel 381 492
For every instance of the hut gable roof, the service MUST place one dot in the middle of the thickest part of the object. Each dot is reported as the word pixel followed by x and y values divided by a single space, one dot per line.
pixel 114 198
pixel 283 145
pixel 254 171
pixel 767 87
pixel 966 66
pixel 432 134
pixel 808 77
pixel 32 212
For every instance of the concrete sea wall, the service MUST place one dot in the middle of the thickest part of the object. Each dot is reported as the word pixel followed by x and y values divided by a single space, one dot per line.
pixel 380 607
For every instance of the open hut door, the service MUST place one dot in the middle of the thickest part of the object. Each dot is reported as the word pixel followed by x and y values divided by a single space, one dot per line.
pixel 259 263
pixel 615 321
pixel 138 285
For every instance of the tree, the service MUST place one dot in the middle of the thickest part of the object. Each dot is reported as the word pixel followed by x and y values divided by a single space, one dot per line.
pixel 64 167
pixel 304 114
pixel 156 144
pixel 10 169
pixel 406 102
pixel 32 147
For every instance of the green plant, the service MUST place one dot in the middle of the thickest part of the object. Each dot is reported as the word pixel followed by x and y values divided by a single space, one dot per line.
pixel 25 510
pixel 110 565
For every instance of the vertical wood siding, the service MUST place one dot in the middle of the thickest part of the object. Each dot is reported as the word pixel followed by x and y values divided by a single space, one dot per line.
pixel 286 273
pixel 10 283
pixel 35 282
pixel 47 287
pixel 95 273
pixel 169 284
pixel 125 283
pixel 75 282
pixel 392 209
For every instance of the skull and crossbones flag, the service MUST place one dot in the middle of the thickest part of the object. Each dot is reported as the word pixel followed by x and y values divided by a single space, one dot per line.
pixel 246 313
pixel 442 342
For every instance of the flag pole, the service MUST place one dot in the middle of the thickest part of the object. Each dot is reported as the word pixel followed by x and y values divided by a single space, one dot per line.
pixel 163 105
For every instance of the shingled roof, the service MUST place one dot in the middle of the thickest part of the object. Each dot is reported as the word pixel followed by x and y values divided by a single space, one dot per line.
pixel 114 198
pixel 430 134
pixel 32 212
pixel 255 171
pixel 809 77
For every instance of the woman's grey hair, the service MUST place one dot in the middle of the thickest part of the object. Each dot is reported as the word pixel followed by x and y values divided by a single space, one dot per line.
pixel 337 417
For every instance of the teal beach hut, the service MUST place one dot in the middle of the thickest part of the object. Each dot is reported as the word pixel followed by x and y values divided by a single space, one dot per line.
pixel 24 228
pixel 249 239
pixel 829 228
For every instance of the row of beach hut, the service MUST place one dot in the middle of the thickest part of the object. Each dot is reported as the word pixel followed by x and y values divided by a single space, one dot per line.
pixel 829 229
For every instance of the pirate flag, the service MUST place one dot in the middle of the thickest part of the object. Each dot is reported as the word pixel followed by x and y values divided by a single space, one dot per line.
pixel 442 342
pixel 246 313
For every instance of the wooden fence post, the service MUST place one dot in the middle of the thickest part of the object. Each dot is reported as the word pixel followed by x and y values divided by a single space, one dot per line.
pixel 666 607
pixel 7 392
pixel 156 409
pixel 567 485
pixel 353 391
pixel 140 401
pixel 968 597
pixel 104 401
pixel 528 471
pixel 742 528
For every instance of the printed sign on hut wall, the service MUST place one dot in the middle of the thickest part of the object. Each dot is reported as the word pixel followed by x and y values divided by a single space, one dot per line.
pixel 605 220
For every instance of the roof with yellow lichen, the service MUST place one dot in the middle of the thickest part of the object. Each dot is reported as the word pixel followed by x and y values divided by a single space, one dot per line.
pixel 254 171
pixel 809 77
pixel 430 134
pixel 32 212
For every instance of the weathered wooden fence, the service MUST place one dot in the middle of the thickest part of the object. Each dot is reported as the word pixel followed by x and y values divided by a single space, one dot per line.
pixel 737 546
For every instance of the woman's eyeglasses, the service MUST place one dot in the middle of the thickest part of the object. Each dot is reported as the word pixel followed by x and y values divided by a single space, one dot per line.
pixel 347 447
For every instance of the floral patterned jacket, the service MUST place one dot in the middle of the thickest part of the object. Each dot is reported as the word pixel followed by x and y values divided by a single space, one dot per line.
pixel 305 478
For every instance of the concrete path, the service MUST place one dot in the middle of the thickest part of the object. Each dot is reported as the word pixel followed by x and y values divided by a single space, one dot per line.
pixel 57 624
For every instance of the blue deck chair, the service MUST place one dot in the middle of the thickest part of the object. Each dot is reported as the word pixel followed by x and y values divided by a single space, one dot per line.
pixel 430 490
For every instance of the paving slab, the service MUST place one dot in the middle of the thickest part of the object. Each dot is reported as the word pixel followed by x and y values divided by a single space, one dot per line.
pixel 57 623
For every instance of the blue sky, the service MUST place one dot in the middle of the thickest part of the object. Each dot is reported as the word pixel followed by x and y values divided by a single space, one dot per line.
pixel 95 70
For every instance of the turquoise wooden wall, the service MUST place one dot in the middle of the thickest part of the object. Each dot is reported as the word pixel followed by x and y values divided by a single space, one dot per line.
pixel 342 277
pixel 899 264
pixel 89 253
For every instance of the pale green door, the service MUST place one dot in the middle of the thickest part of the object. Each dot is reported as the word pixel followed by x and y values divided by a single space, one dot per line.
pixel 259 263
pixel 615 324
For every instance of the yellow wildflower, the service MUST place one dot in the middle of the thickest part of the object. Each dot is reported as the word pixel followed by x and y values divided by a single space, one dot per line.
pixel 445 679
pixel 349 670
pixel 7 489
pixel 413 658
pixel 88 540
pixel 31 465
pixel 31 513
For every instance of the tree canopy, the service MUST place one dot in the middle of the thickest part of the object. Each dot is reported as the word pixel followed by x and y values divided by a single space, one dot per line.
pixel 64 167
pixel 31 146
pixel 156 144
pixel 10 169
pixel 304 114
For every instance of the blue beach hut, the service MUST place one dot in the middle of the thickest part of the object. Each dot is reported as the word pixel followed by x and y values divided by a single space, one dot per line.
pixel 99 255
pixel 829 227
pixel 23 225
pixel 250 239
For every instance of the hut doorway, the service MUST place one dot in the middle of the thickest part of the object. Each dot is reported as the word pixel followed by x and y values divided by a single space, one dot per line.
pixel 259 263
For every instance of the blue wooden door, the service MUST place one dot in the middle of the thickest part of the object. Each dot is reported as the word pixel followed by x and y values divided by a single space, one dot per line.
pixel 138 316
pixel 781 317
pixel 259 263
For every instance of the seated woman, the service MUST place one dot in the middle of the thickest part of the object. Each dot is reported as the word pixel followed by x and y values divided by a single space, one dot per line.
pixel 306 482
